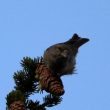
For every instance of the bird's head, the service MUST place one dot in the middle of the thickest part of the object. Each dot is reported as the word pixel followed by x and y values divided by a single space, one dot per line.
pixel 77 41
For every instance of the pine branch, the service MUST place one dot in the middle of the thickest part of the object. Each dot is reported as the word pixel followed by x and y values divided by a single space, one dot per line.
pixel 25 83
pixel 34 105
pixel 30 65
pixel 25 79
pixel 51 100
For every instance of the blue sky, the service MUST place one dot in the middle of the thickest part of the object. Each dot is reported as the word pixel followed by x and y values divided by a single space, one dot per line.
pixel 28 27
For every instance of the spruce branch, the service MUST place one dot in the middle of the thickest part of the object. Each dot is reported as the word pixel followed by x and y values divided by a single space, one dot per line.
pixel 34 72
pixel 31 105
pixel 25 79
pixel 51 100
pixel 25 83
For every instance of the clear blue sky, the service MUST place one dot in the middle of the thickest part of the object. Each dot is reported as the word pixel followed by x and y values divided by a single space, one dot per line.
pixel 28 27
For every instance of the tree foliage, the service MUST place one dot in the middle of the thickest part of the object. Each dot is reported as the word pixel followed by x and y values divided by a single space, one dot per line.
pixel 27 84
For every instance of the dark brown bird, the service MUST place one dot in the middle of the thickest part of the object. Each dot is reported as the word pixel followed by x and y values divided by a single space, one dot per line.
pixel 61 57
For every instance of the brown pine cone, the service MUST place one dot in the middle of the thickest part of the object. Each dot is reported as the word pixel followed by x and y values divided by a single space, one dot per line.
pixel 49 81
pixel 17 105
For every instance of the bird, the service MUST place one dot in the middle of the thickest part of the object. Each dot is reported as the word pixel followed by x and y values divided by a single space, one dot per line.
pixel 60 58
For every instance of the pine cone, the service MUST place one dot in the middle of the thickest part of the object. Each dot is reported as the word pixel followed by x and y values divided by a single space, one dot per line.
pixel 49 81
pixel 17 105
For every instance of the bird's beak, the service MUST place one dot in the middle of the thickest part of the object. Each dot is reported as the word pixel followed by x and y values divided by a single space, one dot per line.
pixel 81 41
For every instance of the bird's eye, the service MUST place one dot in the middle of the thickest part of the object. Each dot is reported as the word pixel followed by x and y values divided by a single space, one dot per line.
pixel 65 53
pixel 58 51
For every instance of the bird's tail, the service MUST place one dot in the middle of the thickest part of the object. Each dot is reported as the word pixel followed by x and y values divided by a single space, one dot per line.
pixel 77 41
